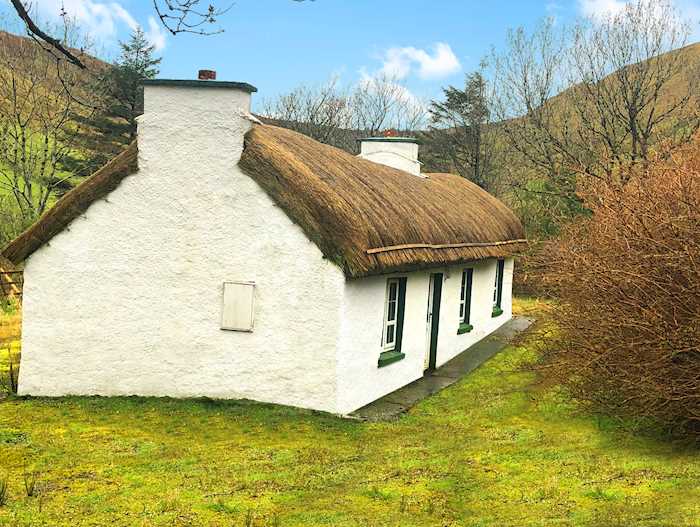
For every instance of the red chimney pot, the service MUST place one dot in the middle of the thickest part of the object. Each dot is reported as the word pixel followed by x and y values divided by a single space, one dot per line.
pixel 207 75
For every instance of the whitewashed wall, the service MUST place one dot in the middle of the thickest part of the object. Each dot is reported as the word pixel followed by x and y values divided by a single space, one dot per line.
pixel 403 156
pixel 360 381
pixel 128 300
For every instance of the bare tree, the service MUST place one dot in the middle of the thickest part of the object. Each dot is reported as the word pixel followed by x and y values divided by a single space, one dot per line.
pixel 589 103
pixel 382 102
pixel 622 68
pixel 38 134
pixel 337 115
pixel 322 112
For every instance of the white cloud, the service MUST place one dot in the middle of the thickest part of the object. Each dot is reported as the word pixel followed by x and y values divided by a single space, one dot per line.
pixel 155 34
pixel 399 63
pixel 689 10
pixel 601 8
pixel 101 20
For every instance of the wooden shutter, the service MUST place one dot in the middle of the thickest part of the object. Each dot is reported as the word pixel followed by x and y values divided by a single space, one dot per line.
pixel 401 310
pixel 238 310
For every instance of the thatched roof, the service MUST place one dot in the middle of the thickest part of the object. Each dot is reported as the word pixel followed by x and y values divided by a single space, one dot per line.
pixel 73 204
pixel 367 218
pixel 6 265
pixel 373 219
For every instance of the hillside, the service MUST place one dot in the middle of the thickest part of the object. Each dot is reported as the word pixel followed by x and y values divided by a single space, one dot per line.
pixel 99 147
pixel 50 140
pixel 686 62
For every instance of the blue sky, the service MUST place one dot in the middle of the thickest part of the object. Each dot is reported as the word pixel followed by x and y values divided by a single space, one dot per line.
pixel 279 44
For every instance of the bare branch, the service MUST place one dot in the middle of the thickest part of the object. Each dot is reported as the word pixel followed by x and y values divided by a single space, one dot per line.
pixel 187 16
pixel 34 30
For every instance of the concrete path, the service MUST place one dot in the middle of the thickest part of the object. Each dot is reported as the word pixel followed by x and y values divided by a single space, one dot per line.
pixel 393 405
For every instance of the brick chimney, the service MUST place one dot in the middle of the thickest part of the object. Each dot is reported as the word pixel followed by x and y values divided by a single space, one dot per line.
pixel 207 75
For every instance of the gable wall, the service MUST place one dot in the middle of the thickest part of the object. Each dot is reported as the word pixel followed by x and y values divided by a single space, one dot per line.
pixel 128 300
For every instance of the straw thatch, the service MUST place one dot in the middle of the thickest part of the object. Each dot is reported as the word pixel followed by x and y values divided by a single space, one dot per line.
pixel 6 266
pixel 367 218
pixel 372 219
pixel 73 204
pixel 10 279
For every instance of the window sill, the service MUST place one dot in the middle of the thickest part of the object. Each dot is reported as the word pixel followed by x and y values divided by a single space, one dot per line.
pixel 497 312
pixel 389 357
pixel 464 328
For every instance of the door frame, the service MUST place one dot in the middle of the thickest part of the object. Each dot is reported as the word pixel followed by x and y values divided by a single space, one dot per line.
pixel 433 317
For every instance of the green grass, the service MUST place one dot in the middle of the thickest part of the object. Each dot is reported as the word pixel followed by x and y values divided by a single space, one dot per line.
pixel 494 449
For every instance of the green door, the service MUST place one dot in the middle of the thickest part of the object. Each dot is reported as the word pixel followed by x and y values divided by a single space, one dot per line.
pixel 434 298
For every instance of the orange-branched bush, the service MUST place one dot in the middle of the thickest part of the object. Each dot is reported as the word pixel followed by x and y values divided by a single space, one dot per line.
pixel 627 280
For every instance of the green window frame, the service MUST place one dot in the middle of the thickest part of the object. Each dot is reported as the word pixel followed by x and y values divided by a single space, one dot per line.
pixel 498 288
pixel 465 301
pixel 394 310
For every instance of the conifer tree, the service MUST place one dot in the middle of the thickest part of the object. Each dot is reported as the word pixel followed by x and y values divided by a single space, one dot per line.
pixel 136 63
pixel 112 126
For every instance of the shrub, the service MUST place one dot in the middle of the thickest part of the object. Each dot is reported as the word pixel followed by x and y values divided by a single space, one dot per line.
pixel 627 281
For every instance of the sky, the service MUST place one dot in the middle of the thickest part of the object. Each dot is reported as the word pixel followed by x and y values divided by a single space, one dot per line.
pixel 277 45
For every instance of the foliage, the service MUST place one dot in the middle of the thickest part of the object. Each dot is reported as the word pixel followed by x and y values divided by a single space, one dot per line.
pixel 136 64
pixel 110 129
pixel 494 449
pixel 461 135
pixel 628 283
pixel 11 221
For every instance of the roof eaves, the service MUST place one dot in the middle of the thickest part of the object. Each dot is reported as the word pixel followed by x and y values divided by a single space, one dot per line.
pixel 244 86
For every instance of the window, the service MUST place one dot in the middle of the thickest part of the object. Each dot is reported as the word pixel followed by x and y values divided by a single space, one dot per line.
pixel 465 302
pixel 498 289
pixel 390 313
pixel 392 333
pixel 465 297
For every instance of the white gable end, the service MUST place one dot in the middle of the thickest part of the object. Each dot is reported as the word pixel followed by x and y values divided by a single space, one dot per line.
pixel 128 300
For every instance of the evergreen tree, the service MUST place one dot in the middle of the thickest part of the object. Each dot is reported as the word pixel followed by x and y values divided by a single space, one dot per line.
pixel 111 127
pixel 136 63
pixel 460 138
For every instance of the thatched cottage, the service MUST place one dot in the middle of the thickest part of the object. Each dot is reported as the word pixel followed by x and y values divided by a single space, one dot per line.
pixel 229 259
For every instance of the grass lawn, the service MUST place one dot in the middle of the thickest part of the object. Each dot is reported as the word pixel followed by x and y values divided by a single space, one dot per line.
pixel 494 449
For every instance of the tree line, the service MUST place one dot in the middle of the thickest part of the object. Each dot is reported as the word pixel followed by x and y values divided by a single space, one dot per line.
pixel 556 109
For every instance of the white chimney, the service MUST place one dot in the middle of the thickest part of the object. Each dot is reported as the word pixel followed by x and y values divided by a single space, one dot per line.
pixel 193 126
pixel 392 150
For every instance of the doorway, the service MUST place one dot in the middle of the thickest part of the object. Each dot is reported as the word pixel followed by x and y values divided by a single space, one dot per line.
pixel 433 319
